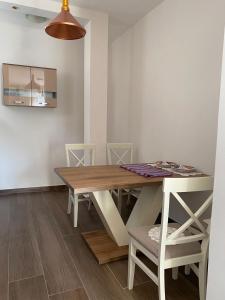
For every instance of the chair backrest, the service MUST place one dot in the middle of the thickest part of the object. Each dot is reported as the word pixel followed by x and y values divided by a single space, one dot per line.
pixel 80 155
pixel 120 153
pixel 174 186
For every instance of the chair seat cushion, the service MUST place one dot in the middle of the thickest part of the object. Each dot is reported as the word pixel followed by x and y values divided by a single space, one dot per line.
pixel 140 234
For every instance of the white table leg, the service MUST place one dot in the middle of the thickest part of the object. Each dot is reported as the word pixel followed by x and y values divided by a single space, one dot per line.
pixel 147 207
pixel 110 217
pixel 145 212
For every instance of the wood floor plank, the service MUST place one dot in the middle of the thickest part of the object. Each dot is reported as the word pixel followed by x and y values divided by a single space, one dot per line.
pixel 175 290
pixel 120 269
pixel 58 267
pixel 4 215
pixel 181 288
pixel 35 220
pixel 78 294
pixel 57 203
pixel 88 220
pixel 98 280
pixel 19 218
pixel 24 258
pixel 146 291
pixel 4 269
pixel 143 286
pixel 28 289
pixel 4 245
pixel 62 199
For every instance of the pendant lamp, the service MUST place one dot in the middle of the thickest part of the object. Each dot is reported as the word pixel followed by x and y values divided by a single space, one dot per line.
pixel 65 26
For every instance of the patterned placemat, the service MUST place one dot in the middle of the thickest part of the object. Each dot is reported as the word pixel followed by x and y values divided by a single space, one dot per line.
pixel 146 170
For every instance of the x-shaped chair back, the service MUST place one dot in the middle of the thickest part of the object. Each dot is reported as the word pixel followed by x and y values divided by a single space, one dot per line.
pixel 120 153
pixel 80 154
pixel 198 232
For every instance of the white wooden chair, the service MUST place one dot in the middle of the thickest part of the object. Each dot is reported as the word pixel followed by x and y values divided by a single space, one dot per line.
pixel 185 246
pixel 193 267
pixel 118 154
pixel 79 155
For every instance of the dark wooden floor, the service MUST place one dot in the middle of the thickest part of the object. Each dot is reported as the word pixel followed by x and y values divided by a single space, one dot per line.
pixel 42 257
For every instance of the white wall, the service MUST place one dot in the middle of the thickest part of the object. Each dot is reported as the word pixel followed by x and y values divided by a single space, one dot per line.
pixel 119 89
pixel 216 287
pixel 32 139
pixel 165 77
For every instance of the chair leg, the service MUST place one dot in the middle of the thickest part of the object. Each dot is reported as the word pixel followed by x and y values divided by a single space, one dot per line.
pixel 120 201
pixel 128 198
pixel 131 266
pixel 202 278
pixel 175 272
pixel 187 270
pixel 69 203
pixel 89 204
pixel 161 286
pixel 75 211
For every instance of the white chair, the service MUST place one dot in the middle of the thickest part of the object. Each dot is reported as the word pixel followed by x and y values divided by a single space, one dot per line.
pixel 185 246
pixel 193 267
pixel 118 154
pixel 79 155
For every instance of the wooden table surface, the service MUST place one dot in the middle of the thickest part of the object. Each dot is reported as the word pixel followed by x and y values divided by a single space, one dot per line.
pixel 99 178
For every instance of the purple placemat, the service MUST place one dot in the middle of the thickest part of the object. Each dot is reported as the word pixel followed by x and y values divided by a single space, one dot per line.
pixel 146 170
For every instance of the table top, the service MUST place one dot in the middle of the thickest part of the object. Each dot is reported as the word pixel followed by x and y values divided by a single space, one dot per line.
pixel 98 178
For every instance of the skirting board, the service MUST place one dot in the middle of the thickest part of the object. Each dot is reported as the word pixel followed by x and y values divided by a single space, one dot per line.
pixel 55 188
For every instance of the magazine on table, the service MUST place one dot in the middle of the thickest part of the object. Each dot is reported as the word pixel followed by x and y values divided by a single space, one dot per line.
pixel 175 168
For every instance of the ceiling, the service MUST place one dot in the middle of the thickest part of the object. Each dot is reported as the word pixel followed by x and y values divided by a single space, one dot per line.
pixel 122 13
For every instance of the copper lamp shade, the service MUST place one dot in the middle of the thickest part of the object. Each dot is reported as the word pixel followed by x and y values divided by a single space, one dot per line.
pixel 65 26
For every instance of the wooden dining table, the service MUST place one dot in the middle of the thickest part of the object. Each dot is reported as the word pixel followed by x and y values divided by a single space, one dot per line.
pixel 112 243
